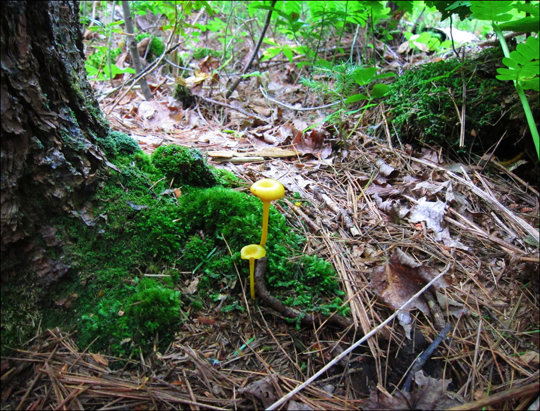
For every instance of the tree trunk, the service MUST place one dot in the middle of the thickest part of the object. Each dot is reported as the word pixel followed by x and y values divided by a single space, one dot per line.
pixel 50 121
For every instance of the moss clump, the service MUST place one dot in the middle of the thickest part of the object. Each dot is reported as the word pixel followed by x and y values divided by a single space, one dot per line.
pixel 227 178
pixel 134 225
pixel 118 143
pixel 423 102
pixel 154 307
pixel 186 165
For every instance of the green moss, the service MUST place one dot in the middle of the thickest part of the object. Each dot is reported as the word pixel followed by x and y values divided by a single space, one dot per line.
pixel 134 225
pixel 118 143
pixel 154 307
pixel 227 178
pixel 423 102
pixel 185 165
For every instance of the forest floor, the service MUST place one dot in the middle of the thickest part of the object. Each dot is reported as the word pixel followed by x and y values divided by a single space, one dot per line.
pixel 388 217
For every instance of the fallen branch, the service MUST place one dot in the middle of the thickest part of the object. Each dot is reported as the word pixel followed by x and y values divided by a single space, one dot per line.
pixel 289 312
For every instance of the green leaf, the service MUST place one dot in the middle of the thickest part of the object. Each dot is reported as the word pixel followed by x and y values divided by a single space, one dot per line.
pixel 270 41
pixel 324 63
pixel 288 53
pixel 406 6
pixel 356 97
pixel 364 76
pixel 523 65
pixel 527 24
pixel 447 8
pixel 494 11
pixel 533 84
pixel 532 9
pixel 270 53
pixel 379 90
pixel 254 74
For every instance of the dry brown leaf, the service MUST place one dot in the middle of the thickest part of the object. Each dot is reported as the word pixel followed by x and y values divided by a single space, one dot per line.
pixel 430 394
pixel 263 390
pixel 312 142
pixel 399 279
pixel 99 359
pixel 209 64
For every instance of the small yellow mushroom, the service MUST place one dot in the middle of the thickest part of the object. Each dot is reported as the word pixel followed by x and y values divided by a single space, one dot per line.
pixel 252 252
pixel 267 190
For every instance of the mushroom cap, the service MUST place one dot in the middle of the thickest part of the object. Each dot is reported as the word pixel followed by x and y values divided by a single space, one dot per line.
pixel 268 189
pixel 254 251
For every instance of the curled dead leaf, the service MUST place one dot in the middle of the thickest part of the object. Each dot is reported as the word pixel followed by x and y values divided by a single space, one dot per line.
pixel 400 278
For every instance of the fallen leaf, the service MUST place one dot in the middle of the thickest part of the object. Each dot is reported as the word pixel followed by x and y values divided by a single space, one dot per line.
pixel 430 394
pixel 209 64
pixel 530 357
pixel 399 279
pixel 312 142
pixel 262 390
pixel 99 359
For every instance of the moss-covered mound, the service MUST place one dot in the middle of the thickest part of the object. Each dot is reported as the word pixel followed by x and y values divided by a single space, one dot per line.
pixel 136 245
pixel 184 165
pixel 424 104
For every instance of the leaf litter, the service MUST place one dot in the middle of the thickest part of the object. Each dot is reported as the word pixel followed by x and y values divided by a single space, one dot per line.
pixel 388 219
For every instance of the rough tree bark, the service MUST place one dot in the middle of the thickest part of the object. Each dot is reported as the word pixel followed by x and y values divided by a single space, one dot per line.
pixel 50 120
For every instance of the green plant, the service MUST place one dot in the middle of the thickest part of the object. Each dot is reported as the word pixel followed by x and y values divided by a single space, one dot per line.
pixel 339 83
pixel 322 20
pixel 99 65
pixel 523 64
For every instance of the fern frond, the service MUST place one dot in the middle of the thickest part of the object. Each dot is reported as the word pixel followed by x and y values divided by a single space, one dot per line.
pixel 523 65
pixel 495 11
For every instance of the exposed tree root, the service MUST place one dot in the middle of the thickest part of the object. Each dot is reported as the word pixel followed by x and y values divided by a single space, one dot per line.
pixel 289 312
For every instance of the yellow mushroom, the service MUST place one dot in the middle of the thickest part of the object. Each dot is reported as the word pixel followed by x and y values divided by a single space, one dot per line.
pixel 267 190
pixel 252 252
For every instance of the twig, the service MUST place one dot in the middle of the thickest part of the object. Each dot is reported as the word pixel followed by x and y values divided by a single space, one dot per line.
pixel 356 344
pixel 420 361
pixel 500 396
pixel 279 103
pixel 188 385
pixel 255 51
pixel 240 110
pixel 304 216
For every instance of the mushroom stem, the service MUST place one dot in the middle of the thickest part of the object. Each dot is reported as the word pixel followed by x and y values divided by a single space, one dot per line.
pixel 266 211
pixel 252 277
pixel 252 252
